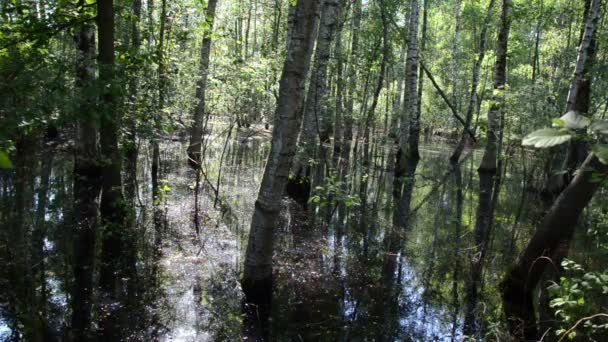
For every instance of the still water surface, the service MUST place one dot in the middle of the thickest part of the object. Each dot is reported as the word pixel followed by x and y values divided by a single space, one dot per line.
pixel 355 278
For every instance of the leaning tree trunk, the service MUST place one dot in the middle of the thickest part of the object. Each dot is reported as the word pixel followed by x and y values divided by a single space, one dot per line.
pixel 86 185
pixel 455 157
pixel 316 124
pixel 408 149
pixel 487 172
pixel 196 132
pixel 553 236
pixel 555 232
pixel 257 275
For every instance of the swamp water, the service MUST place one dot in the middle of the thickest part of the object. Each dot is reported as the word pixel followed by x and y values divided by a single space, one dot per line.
pixel 352 279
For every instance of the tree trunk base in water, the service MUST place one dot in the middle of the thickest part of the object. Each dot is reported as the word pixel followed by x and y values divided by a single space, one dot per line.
pixel 256 308
pixel 518 307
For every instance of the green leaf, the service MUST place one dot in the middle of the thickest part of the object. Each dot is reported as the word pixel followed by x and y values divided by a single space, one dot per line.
pixel 573 120
pixel 547 137
pixel 600 126
pixel 559 123
pixel 601 151
pixel 5 162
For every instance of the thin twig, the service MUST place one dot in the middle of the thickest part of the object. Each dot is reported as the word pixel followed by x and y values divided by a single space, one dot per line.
pixel 579 322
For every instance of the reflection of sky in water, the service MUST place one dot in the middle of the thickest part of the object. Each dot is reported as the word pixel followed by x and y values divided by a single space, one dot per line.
pixel 432 322
pixel 191 317
pixel 5 331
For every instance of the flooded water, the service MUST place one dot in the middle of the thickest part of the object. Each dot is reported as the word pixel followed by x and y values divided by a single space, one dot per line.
pixel 341 274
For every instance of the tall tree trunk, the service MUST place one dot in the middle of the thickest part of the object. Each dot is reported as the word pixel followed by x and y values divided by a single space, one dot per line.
pixel 420 71
pixel 487 172
pixel 338 120
pixel 196 132
pixel 150 33
pixel 130 147
pixel 555 232
pixel 155 167
pixel 316 121
pixel 352 83
pixel 86 186
pixel 370 113
pixel 408 149
pixel 578 100
pixel 536 57
pixel 579 92
pixel 350 100
pixel 393 133
pixel 474 84
pixel 456 54
pixel 257 274
pixel 276 24
pixel 114 216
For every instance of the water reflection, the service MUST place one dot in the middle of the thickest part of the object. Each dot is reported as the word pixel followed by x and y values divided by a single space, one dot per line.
pixel 392 269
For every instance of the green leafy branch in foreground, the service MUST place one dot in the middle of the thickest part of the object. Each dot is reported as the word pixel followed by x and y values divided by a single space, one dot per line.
pixel 572 125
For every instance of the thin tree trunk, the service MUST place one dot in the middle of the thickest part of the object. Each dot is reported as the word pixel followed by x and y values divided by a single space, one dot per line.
pixel 370 113
pixel 196 132
pixel 350 98
pixel 474 84
pixel 155 167
pixel 393 136
pixel 276 24
pixel 456 54
pixel 130 147
pixel 535 58
pixel 338 120
pixel 422 50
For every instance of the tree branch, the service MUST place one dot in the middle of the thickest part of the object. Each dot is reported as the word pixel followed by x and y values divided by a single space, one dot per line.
pixel 447 101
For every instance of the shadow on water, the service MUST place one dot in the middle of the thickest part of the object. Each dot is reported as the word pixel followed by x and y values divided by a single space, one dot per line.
pixel 387 270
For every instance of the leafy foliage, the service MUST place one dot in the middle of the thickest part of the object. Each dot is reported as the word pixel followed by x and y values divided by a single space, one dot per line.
pixel 332 193
pixel 577 296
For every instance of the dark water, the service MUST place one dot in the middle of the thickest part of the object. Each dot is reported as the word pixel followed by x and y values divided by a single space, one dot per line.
pixel 339 275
